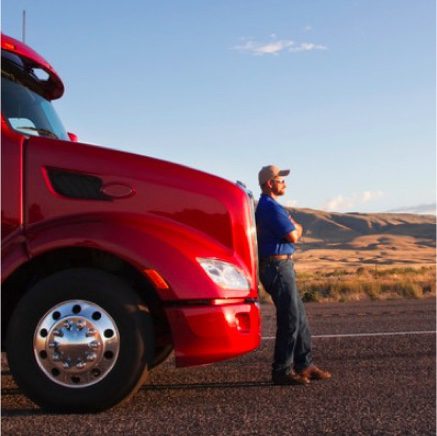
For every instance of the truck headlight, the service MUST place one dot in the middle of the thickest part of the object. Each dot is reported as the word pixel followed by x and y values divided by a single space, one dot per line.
pixel 225 274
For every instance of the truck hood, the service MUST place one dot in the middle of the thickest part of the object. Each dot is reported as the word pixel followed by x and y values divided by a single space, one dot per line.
pixel 68 179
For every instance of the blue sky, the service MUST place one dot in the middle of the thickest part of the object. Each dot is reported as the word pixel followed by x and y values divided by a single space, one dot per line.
pixel 340 91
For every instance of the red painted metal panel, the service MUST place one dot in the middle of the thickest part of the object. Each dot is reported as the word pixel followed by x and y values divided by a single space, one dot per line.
pixel 154 214
pixel 212 333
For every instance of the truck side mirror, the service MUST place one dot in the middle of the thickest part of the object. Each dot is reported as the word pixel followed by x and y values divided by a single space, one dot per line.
pixel 73 137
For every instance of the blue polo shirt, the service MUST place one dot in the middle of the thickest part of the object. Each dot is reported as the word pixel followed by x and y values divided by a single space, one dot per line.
pixel 273 224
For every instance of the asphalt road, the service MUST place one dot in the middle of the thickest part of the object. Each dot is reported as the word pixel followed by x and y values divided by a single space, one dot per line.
pixel 381 354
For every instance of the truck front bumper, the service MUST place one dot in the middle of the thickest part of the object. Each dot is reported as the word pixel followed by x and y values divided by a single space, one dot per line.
pixel 214 331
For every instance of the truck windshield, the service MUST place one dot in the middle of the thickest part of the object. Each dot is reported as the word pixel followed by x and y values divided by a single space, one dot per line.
pixel 28 112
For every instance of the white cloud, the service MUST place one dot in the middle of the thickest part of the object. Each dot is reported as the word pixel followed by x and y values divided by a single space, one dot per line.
pixel 259 49
pixel 291 203
pixel 307 46
pixel 275 46
pixel 371 195
pixel 341 203
pixel 337 203
pixel 427 209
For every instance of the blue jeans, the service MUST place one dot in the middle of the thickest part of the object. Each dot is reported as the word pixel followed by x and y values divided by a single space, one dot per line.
pixel 293 337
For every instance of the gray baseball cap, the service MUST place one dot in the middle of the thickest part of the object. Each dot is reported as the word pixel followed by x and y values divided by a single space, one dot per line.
pixel 269 172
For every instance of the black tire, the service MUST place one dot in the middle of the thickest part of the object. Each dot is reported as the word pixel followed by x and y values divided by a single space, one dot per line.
pixel 44 324
pixel 161 355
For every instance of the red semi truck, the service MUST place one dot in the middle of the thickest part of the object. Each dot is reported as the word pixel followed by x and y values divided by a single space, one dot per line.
pixel 110 260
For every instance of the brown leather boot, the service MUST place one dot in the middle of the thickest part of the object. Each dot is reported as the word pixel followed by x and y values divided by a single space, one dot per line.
pixel 289 379
pixel 312 372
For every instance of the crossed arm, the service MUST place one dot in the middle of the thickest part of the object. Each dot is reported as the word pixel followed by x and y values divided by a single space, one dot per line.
pixel 295 234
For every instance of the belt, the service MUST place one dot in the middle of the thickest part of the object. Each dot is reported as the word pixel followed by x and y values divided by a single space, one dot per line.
pixel 277 257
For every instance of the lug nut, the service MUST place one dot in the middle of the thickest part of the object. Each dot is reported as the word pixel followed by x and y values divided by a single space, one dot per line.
pixel 94 344
pixel 91 356
pixel 91 332
pixel 56 357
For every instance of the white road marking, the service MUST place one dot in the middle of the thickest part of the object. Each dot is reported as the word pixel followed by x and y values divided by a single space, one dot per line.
pixel 358 335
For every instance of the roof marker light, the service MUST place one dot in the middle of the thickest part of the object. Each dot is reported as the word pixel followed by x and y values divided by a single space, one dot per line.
pixel 8 46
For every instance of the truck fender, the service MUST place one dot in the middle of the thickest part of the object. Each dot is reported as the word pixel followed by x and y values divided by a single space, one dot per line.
pixel 166 247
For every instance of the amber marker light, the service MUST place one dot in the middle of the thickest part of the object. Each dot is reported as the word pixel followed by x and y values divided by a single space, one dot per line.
pixel 156 279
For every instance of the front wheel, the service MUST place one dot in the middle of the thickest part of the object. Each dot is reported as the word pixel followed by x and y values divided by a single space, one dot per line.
pixel 80 341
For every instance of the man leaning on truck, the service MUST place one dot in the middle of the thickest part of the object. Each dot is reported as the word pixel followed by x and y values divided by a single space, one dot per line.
pixel 277 234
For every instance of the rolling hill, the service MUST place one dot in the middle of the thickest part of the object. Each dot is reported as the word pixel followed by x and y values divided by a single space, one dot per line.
pixel 349 240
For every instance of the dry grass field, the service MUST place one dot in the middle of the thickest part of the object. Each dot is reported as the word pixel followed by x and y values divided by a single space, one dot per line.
pixel 354 256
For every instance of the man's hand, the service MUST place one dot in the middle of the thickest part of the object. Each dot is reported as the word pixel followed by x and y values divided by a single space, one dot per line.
pixel 296 234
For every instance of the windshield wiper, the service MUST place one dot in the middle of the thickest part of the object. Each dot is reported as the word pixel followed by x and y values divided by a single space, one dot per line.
pixel 43 132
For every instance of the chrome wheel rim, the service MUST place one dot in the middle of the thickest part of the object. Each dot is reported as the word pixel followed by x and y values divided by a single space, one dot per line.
pixel 76 343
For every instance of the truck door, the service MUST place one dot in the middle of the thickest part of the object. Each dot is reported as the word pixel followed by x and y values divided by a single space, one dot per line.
pixel 12 183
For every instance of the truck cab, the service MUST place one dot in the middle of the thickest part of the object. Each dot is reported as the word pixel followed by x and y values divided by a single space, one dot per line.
pixel 111 260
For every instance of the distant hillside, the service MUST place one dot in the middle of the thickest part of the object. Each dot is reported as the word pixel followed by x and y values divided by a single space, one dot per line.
pixel 335 240
pixel 330 226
